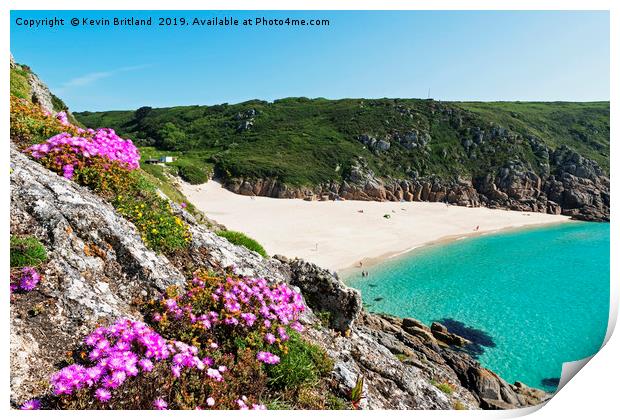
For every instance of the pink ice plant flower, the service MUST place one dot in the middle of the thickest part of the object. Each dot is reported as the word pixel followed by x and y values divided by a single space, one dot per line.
pixel 31 405
pixel 63 118
pixel 28 279
pixel 120 351
pixel 160 404
pixel 270 338
pixel 103 395
pixel 103 142
pixel 267 358
pixel 248 303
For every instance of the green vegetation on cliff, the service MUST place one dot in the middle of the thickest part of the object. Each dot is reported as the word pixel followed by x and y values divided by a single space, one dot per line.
pixel 302 141
pixel 239 238
pixel 19 83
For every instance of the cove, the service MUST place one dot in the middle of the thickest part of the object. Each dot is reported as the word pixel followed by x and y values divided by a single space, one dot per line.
pixel 529 299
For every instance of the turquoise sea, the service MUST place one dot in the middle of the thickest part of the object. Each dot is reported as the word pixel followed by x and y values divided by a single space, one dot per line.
pixel 530 299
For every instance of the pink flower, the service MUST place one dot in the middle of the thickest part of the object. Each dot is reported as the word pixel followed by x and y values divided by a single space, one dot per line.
pixel 160 404
pixel 210 402
pixel 31 405
pixel 28 280
pixel 103 395
pixel 146 365
pixel 267 358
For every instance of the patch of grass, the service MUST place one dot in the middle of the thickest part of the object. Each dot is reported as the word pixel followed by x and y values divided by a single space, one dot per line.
pixel 242 239
pixel 27 251
pixel 58 104
pixel 444 387
pixel 19 83
pixel 334 402
pixel 401 356
pixel 279 404
pixel 159 227
pixel 304 363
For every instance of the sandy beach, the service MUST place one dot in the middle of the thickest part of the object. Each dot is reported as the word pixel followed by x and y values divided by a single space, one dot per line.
pixel 339 234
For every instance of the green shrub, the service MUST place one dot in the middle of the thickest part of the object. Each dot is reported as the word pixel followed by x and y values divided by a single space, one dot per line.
pixel 303 363
pixel 242 239
pixel 27 251
pixel 193 173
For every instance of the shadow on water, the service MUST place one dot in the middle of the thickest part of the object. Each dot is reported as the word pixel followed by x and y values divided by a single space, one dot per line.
pixel 551 383
pixel 479 338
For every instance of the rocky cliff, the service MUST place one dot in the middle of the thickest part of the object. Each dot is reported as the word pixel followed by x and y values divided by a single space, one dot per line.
pixel 99 269
pixel 576 187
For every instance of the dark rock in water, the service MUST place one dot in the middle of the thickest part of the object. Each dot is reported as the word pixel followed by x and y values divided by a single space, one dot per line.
pixel 550 382
pixel 378 299
pixel 438 327
pixel 478 339
pixel 440 332
pixel 372 285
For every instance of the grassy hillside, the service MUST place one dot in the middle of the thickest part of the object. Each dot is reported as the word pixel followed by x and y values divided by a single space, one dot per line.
pixel 304 141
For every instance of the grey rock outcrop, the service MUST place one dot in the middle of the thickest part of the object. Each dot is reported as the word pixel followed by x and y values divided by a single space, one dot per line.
pixel 324 292
pixel 447 365
pixel 40 93
pixel 374 144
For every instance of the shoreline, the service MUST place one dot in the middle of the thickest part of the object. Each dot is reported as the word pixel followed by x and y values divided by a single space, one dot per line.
pixel 374 261
pixel 339 234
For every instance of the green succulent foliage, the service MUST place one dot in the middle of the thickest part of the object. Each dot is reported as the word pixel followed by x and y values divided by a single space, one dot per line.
pixel 27 251
pixel 304 363
pixel 239 238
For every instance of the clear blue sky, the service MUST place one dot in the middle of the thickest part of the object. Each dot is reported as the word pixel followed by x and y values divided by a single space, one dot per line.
pixel 466 55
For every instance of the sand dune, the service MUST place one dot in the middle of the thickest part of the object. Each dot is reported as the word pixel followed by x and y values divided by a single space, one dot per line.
pixel 338 235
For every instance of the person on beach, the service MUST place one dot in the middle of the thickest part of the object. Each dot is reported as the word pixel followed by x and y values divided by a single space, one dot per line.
pixel 476 229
